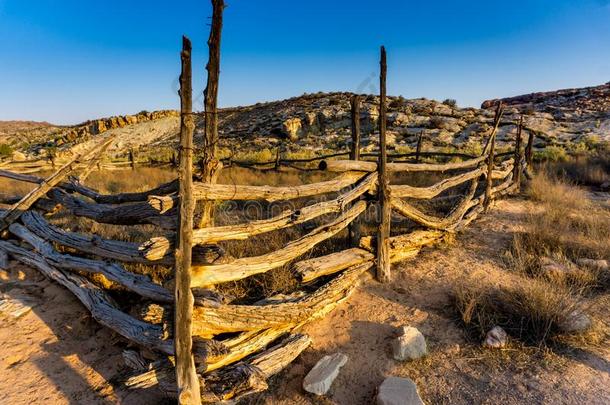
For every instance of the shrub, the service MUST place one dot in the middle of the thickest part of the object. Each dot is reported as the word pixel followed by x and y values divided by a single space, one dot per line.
pixel 5 150
pixel 531 311
pixel 450 102
pixel 552 154
pixel 398 102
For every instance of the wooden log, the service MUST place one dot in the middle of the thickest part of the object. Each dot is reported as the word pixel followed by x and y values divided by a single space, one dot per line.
pixel 419 145
pixel 311 269
pixel 383 254
pixel 186 374
pixel 94 162
pixel 157 247
pixel 368 166
pixel 402 191
pixel 208 322
pixel 203 191
pixel 405 246
pixel 490 148
pixel 517 158
pixel 210 165
pixel 529 149
pixel 242 346
pixel 446 223
pixel 107 248
pixel 9 216
pixel 137 283
pixel 492 136
pixel 125 214
pixel 234 382
pixel 166 188
pixel 4 260
pixel 354 227
pixel 206 275
pixel 97 301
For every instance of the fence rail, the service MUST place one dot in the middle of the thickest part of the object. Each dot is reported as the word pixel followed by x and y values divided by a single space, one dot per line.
pixel 233 352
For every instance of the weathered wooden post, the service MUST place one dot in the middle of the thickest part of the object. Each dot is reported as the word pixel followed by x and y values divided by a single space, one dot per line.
pixel 491 156
pixel 210 165
pixel 418 149
pixel 354 154
pixel 186 375
pixel 132 158
pixel 529 149
pixel 277 158
pixel 383 253
pixel 517 164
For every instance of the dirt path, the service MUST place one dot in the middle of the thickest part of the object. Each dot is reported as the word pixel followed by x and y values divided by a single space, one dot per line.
pixel 58 355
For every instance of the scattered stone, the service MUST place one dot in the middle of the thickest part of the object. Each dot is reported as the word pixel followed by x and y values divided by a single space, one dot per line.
pixel 600 264
pixel 605 186
pixel 322 375
pixel 398 391
pixel 578 321
pixel 495 338
pixel 410 345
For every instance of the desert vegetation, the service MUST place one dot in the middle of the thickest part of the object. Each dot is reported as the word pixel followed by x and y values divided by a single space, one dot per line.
pixel 557 264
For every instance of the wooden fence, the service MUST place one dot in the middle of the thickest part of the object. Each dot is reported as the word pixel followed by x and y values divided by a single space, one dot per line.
pixel 219 349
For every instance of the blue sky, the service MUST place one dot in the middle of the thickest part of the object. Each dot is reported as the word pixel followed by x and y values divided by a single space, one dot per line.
pixel 68 61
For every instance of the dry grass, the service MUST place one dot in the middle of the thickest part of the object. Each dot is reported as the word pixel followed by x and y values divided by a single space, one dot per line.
pixel 568 224
pixel 546 287
pixel 530 310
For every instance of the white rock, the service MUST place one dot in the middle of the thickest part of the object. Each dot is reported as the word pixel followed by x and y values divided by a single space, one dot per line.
pixel 410 345
pixel 398 391
pixel 495 338
pixel 322 375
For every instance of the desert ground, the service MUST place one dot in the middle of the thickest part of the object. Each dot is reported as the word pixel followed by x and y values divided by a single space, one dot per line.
pixel 57 353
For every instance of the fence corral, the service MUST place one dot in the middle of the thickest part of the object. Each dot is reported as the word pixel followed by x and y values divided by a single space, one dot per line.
pixel 225 350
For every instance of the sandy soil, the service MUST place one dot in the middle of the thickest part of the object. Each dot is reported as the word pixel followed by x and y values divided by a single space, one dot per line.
pixel 57 354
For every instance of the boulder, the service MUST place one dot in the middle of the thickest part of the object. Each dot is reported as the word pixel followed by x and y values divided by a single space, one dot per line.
pixel 322 375
pixel 410 345
pixel 398 391
pixel 496 338
pixel 291 128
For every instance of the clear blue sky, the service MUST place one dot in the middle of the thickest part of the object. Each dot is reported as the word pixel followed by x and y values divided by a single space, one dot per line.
pixel 68 61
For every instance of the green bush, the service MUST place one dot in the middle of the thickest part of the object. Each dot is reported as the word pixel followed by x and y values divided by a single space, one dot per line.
pixel 552 154
pixel 5 150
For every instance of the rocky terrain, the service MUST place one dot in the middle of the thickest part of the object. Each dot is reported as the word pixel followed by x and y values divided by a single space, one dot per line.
pixel 318 123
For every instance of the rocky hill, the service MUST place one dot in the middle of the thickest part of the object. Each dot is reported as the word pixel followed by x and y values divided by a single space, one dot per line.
pixel 318 123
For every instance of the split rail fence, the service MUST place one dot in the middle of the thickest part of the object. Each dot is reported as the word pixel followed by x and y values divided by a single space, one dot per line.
pixel 220 349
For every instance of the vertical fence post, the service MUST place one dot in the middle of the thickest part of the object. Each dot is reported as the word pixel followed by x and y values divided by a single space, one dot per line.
pixel 186 375
pixel 491 156
pixel 277 158
pixel 132 159
pixel 517 164
pixel 529 150
pixel 354 154
pixel 383 254
pixel 418 149
pixel 210 166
